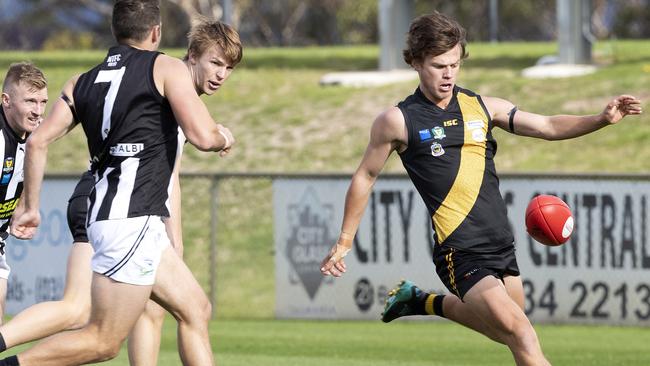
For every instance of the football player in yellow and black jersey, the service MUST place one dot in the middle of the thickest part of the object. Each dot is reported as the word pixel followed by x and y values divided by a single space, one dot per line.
pixel 443 135
pixel 24 96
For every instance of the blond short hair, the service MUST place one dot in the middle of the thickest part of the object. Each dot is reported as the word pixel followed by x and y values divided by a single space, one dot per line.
pixel 206 33
pixel 25 72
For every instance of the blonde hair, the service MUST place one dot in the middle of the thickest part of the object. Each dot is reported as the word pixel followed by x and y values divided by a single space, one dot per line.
pixel 206 33
pixel 25 72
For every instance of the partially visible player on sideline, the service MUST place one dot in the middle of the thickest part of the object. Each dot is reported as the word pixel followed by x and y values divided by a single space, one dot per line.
pixel 24 96
pixel 215 50
pixel 129 106
pixel 443 135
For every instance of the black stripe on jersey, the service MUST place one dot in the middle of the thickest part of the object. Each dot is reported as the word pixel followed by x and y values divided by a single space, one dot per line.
pixel 112 179
pixel 91 198
pixel 128 255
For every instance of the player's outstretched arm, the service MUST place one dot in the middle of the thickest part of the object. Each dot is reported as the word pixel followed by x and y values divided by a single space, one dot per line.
pixel 175 83
pixel 60 121
pixel 559 127
pixel 388 133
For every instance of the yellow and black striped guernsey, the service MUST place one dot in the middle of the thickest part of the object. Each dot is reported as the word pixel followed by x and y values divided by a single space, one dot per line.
pixel 450 161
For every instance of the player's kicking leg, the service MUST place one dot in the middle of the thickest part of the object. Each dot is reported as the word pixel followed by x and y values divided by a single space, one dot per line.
pixel 489 300
pixel 408 299
pixel 491 307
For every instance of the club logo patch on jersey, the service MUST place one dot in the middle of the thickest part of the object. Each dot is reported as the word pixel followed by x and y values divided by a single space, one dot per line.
pixel 5 179
pixel 473 125
pixel 478 135
pixel 112 60
pixel 425 135
pixel 438 133
pixel 126 149
pixel 8 165
pixel 436 149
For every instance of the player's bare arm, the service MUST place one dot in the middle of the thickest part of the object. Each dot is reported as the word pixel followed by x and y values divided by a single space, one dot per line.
pixel 174 82
pixel 388 133
pixel 59 122
pixel 559 127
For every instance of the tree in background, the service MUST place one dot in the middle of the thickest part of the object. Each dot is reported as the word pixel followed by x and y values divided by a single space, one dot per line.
pixel 61 24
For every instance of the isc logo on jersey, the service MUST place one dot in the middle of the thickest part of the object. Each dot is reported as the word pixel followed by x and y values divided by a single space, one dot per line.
pixel 126 149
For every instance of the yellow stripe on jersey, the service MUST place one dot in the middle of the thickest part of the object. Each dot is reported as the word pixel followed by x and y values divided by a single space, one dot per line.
pixel 463 193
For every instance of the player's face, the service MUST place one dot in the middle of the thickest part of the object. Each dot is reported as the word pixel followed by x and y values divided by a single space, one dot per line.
pixel 438 75
pixel 24 107
pixel 210 70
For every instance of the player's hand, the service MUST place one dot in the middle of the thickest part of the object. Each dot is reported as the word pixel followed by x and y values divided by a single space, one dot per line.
pixel 620 107
pixel 228 137
pixel 333 263
pixel 24 223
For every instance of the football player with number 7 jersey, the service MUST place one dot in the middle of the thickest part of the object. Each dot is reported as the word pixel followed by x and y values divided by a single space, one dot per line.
pixel 130 107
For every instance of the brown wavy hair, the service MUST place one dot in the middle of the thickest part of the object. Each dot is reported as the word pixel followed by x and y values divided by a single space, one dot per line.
pixel 433 35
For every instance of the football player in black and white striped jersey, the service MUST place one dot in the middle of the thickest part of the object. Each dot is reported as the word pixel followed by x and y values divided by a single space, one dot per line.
pixel 24 96
pixel 123 283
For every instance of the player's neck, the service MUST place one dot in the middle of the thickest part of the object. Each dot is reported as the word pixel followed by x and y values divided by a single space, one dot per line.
pixel 440 102
pixel 15 128
pixel 146 46
pixel 197 87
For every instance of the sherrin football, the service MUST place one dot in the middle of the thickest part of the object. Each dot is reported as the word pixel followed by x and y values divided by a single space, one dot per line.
pixel 549 220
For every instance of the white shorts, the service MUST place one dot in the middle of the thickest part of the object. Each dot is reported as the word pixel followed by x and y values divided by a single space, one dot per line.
pixel 128 250
pixel 4 266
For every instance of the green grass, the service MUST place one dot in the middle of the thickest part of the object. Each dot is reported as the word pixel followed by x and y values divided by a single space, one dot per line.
pixel 303 343
pixel 284 121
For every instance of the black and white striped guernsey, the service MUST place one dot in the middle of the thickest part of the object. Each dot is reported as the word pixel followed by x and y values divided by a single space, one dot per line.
pixel 131 133
pixel 12 150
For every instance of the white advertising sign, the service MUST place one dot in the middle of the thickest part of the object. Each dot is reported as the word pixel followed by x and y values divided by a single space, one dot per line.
pixel 38 265
pixel 601 275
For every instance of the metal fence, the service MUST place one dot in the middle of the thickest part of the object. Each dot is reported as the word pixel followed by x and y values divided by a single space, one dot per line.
pixel 228 231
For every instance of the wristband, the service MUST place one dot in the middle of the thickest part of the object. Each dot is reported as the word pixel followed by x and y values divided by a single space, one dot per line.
pixel 345 239
pixel 227 144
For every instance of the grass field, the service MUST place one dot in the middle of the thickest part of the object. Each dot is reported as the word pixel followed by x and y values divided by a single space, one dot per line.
pixel 327 343
pixel 285 122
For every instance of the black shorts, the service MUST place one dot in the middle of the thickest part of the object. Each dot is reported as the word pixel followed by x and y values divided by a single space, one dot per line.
pixel 460 270
pixel 78 208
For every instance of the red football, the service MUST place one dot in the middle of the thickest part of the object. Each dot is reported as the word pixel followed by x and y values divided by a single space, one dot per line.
pixel 549 220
